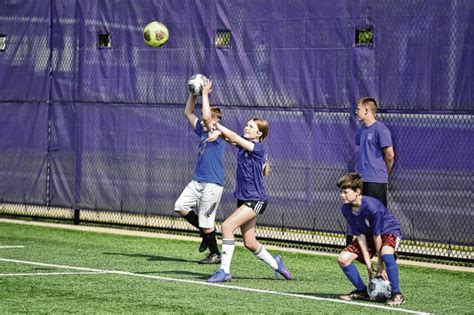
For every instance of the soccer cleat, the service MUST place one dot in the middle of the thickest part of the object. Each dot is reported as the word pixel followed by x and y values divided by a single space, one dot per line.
pixel 220 276
pixel 211 259
pixel 203 245
pixel 396 299
pixel 282 270
pixel 355 295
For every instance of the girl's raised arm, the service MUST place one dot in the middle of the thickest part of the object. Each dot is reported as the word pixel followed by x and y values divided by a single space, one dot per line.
pixel 232 137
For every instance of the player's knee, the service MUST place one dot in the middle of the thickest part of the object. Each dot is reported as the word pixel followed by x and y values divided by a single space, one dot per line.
pixel 208 230
pixel 179 208
pixel 343 260
pixel 251 245
pixel 227 228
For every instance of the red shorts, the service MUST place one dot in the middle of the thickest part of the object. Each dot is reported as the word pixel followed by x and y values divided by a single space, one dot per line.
pixel 391 240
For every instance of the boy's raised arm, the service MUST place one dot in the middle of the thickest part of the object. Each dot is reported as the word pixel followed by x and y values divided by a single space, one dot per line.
pixel 189 110
pixel 206 105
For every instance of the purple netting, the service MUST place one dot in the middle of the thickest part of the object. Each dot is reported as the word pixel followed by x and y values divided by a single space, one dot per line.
pixel 84 127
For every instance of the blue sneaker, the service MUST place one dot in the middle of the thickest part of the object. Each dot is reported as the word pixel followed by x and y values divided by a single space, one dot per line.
pixel 282 270
pixel 220 276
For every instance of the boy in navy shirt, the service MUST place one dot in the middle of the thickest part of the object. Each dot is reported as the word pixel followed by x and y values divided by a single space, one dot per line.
pixel 377 231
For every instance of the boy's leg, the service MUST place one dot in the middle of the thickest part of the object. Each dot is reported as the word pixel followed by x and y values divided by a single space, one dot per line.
pixel 389 245
pixel 346 262
pixel 186 202
pixel 392 272
pixel 214 256
pixel 193 219
pixel 210 200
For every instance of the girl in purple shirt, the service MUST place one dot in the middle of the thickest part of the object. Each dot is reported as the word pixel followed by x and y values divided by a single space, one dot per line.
pixel 251 197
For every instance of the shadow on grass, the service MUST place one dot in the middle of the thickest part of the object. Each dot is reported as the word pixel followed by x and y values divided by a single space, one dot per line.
pixel 197 275
pixel 152 257
pixel 323 295
pixel 206 275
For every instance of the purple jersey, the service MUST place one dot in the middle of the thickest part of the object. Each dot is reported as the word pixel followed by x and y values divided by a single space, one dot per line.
pixel 210 162
pixel 370 158
pixel 250 185
pixel 373 218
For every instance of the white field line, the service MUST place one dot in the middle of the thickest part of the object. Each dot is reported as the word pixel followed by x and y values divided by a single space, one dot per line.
pixel 124 273
pixel 12 246
pixel 50 274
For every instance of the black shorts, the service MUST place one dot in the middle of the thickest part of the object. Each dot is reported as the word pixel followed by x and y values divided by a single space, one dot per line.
pixel 257 206
pixel 376 190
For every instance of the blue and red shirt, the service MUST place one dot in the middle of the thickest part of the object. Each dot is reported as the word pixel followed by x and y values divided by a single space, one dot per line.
pixel 210 162
pixel 372 218
pixel 249 178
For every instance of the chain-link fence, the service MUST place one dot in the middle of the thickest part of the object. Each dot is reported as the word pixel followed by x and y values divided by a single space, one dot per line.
pixel 101 129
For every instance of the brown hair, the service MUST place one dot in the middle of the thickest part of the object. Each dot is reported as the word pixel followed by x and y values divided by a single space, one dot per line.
pixel 216 113
pixel 350 180
pixel 370 102
pixel 263 127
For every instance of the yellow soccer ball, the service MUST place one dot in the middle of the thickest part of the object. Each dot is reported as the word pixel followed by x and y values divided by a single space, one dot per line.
pixel 155 34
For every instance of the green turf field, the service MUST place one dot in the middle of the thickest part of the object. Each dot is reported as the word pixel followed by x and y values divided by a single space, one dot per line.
pixel 61 271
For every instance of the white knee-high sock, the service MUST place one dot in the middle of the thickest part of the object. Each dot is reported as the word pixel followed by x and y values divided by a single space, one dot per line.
pixel 265 256
pixel 228 246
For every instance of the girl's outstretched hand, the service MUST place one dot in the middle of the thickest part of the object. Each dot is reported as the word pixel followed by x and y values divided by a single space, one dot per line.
pixel 213 135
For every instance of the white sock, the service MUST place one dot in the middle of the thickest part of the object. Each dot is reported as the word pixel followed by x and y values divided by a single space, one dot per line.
pixel 265 256
pixel 228 246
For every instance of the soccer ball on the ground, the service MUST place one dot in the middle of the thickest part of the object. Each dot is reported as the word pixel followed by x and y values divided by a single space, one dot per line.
pixel 195 84
pixel 379 289
pixel 156 34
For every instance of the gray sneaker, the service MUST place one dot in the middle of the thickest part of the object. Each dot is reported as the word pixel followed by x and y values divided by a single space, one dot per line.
pixel 211 259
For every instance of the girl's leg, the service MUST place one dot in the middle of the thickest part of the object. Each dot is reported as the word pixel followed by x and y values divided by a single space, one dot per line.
pixel 238 218
pixel 251 243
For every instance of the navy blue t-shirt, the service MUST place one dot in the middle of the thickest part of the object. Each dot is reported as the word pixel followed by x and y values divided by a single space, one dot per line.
pixel 373 218
pixel 250 184
pixel 370 157
pixel 210 162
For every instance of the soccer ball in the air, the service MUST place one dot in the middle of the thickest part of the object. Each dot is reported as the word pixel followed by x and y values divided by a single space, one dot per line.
pixel 195 84
pixel 378 289
pixel 155 34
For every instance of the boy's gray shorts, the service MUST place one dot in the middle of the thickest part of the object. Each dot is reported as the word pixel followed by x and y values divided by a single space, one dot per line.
pixel 203 198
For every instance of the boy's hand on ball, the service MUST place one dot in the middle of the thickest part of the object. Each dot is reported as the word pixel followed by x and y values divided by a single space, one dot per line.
pixel 207 87
pixel 370 273
pixel 382 274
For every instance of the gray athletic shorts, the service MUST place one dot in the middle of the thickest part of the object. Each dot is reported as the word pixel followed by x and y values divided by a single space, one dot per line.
pixel 203 198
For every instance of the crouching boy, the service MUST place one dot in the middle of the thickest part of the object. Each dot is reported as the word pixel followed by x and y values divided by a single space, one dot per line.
pixel 377 232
